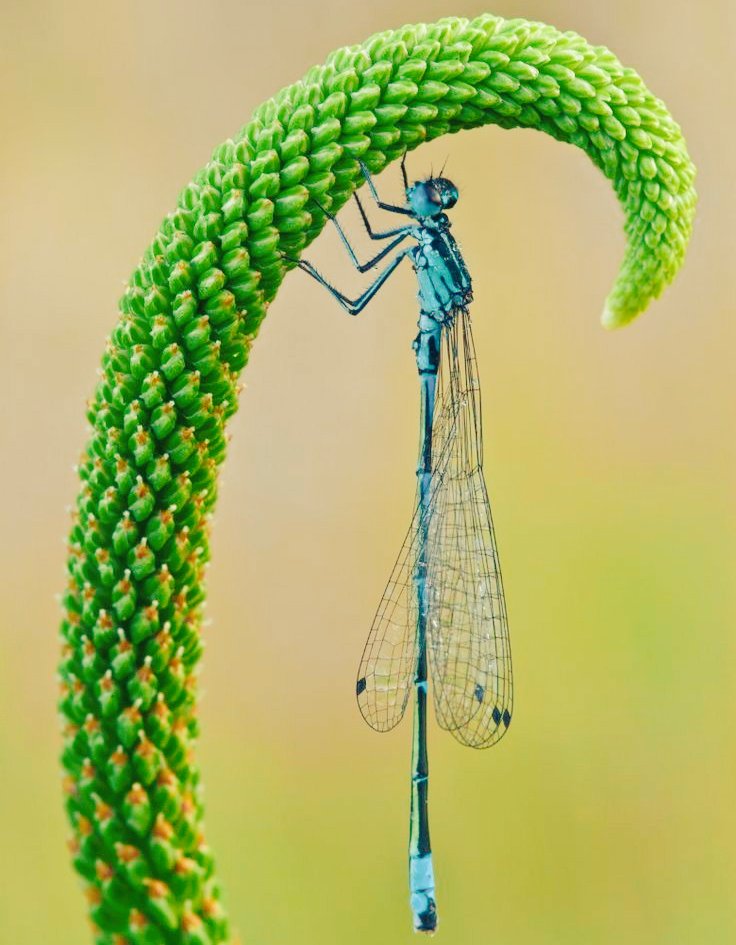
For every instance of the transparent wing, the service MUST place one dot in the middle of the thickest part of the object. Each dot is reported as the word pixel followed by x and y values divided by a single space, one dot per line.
pixel 387 667
pixel 386 672
pixel 467 628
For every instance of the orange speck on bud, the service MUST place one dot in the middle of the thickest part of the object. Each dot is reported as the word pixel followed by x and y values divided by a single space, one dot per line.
pixel 175 664
pixel 145 673
pixel 188 807
pixel 136 795
pixel 184 865
pixel 141 489
pixel 93 895
pixel 211 907
pixel 88 770
pixel 136 920
pixel 91 725
pixel 103 811
pixel 104 871
pixel 132 714
pixel 128 525
pixel 84 825
pixel 163 637
pixel 166 778
pixel 157 889
pixel 151 612
pixel 160 710
pixel 162 828
pixel 118 757
pixel 126 853
pixel 192 620
pixel 190 921
pixel 146 748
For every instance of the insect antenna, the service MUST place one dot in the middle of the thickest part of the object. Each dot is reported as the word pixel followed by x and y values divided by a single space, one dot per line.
pixel 403 171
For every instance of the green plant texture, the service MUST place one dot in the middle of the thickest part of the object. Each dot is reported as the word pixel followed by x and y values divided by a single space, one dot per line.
pixel 139 539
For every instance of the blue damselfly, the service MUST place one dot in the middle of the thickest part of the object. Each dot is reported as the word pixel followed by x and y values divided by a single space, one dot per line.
pixel 442 616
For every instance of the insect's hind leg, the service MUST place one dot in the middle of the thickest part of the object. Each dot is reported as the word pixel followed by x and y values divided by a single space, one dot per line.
pixel 354 306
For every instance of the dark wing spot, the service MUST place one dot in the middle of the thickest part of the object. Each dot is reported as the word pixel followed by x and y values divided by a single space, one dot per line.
pixel 507 718
pixel 360 686
pixel 496 715
pixel 479 692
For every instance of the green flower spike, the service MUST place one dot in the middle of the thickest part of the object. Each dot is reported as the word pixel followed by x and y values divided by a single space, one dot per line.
pixel 139 539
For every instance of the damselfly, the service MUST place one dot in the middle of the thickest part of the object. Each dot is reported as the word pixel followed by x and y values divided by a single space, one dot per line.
pixel 442 615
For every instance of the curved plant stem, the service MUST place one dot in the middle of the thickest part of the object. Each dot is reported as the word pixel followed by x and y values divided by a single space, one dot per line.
pixel 139 539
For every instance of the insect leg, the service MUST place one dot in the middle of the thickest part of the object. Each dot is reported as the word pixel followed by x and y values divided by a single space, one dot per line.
pixel 354 306
pixel 364 267
pixel 374 235
pixel 374 193
pixel 400 233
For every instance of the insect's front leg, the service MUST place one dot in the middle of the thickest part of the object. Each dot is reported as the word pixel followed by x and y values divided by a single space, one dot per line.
pixel 374 193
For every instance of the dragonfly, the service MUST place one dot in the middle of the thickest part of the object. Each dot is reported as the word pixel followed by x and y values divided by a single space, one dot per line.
pixel 442 617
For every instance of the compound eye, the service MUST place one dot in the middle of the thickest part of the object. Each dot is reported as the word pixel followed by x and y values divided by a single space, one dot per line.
pixel 449 198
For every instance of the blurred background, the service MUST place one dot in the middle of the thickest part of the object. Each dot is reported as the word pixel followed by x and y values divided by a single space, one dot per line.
pixel 607 815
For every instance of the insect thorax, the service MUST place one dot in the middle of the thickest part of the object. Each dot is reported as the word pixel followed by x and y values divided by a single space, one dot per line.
pixel 443 277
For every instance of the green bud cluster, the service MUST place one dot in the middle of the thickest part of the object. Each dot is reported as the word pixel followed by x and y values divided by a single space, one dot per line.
pixel 139 539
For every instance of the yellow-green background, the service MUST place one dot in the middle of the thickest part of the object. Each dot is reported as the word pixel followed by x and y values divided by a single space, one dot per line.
pixel 607 815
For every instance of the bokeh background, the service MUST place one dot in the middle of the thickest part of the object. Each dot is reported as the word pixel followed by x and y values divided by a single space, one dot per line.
pixel 608 814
